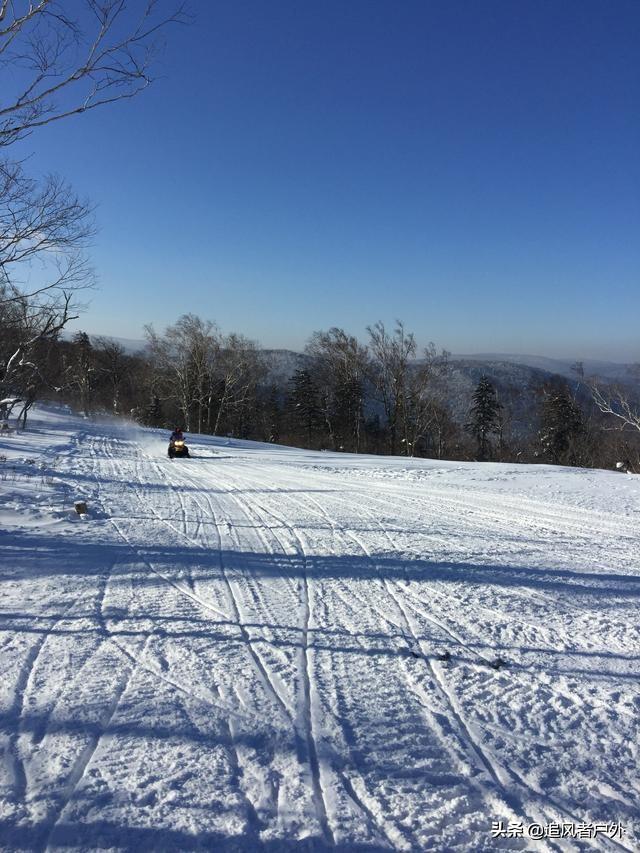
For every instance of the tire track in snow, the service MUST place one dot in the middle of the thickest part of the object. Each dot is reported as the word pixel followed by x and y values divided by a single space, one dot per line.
pixel 311 750
pixel 142 556
pixel 391 586
pixel 408 605
pixel 254 823
pixel 252 817
pixel 526 595
pixel 436 587
pixel 77 772
pixel 17 712
pixel 503 777
pixel 235 618
pixel 416 604
pixel 185 522
pixel 306 682
pixel 480 758
pixel 82 762
pixel 375 824
pixel 513 514
pixel 465 737
pixel 407 629
pixel 261 669
pixel 513 510
pixel 190 692
pixel 344 532
pixel 254 588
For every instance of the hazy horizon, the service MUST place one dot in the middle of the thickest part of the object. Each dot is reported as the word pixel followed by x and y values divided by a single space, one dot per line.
pixel 467 352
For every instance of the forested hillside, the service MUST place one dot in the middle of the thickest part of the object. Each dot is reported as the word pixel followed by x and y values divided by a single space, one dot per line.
pixel 381 396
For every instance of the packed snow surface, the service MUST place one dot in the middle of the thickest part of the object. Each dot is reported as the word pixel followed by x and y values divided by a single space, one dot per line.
pixel 263 648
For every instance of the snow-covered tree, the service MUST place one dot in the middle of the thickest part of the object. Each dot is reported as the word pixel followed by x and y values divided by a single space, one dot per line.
pixel 27 332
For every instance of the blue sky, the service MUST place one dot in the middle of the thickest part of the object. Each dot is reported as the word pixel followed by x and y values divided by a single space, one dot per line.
pixel 470 167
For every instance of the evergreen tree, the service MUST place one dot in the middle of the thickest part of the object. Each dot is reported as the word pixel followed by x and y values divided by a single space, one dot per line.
pixel 304 405
pixel 273 415
pixel 152 414
pixel 562 428
pixel 81 370
pixel 485 417
pixel 349 398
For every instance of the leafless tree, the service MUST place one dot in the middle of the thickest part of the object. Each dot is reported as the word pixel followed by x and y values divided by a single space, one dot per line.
pixel 391 357
pixel 58 58
pixel 44 231
pixel 423 408
pixel 112 365
pixel 67 57
pixel 340 365
pixel 234 378
pixel 184 355
pixel 26 330
pixel 618 402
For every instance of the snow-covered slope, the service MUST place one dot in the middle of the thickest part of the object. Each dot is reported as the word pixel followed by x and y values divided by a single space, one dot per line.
pixel 264 648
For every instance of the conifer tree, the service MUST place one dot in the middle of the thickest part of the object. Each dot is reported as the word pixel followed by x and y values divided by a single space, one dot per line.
pixel 273 415
pixel 153 414
pixel 81 371
pixel 349 396
pixel 304 405
pixel 562 428
pixel 485 417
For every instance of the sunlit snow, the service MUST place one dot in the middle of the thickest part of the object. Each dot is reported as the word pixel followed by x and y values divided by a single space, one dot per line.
pixel 261 645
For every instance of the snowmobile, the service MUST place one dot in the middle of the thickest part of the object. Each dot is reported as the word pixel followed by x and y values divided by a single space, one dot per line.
pixel 178 448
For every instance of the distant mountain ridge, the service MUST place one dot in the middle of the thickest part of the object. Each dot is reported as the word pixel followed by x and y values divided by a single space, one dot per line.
pixel 514 376
pixel 559 366
pixel 284 358
pixel 130 345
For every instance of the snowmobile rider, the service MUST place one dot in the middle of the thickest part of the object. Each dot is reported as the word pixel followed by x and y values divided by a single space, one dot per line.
pixel 177 447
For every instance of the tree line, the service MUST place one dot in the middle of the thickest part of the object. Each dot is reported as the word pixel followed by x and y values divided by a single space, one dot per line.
pixel 381 396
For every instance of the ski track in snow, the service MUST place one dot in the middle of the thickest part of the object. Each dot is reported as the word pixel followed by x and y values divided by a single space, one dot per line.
pixel 262 648
pixel 503 780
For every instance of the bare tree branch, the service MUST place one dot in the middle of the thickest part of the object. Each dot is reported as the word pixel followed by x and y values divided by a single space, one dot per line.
pixel 67 66
pixel 617 402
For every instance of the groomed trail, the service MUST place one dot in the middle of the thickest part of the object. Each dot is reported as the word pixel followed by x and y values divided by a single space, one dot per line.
pixel 264 648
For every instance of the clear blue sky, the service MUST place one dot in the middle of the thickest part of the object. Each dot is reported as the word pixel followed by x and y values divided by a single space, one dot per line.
pixel 470 167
